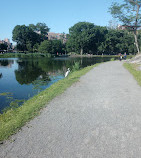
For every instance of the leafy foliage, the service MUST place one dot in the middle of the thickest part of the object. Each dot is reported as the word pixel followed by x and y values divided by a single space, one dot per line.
pixel 28 36
pixel 45 47
pixel 83 38
pixel 119 41
pixel 80 36
pixel 129 14
pixel 100 40
pixel 76 66
pixel 51 47
pixel 40 28
pixel 3 46
pixel 125 12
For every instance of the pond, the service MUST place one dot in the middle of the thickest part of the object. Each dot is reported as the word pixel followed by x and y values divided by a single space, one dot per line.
pixel 21 78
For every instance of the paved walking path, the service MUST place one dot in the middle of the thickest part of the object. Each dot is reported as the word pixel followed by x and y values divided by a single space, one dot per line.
pixel 98 117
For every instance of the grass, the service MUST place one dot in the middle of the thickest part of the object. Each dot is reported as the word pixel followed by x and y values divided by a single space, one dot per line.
pixel 22 55
pixel 36 55
pixel 12 120
pixel 133 69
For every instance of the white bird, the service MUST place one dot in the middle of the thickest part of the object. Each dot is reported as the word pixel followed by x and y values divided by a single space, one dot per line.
pixel 66 74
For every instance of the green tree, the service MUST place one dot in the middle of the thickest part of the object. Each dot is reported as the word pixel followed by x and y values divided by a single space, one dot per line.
pixel 86 37
pixel 80 35
pixel 128 14
pixel 40 28
pixel 57 46
pixel 51 47
pixel 20 35
pixel 43 28
pixel 25 37
pixel 99 37
pixel 35 47
pixel 45 47
pixel 29 46
pixel 118 41
pixel 70 45
pixel 3 46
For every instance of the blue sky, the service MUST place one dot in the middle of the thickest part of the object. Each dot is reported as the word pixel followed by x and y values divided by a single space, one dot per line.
pixel 59 15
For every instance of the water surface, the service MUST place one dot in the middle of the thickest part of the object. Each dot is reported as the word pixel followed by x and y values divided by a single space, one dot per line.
pixel 21 79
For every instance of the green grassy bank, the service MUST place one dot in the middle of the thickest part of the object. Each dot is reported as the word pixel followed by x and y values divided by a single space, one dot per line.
pixel 22 55
pixel 34 55
pixel 133 69
pixel 12 120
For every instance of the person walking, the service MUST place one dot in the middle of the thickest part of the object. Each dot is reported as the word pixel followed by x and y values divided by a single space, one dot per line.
pixel 125 56
pixel 120 56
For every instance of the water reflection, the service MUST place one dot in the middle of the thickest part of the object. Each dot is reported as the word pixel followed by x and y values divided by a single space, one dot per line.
pixel 6 63
pixel 27 72
pixel 0 75
pixel 34 71
pixel 26 77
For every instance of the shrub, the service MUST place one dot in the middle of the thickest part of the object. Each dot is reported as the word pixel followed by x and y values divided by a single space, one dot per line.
pixel 76 66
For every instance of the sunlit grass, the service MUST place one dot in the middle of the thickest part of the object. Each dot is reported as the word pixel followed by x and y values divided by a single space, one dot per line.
pixel 133 69
pixel 34 55
pixel 22 55
pixel 12 120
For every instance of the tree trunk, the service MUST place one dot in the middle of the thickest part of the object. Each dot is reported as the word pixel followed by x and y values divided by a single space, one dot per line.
pixel 136 42
pixel 81 51
pixel 136 23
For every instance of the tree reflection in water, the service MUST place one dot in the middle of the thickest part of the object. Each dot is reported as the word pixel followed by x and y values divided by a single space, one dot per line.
pixel 38 72
pixel 42 80
pixel 6 63
pixel 26 77
pixel 0 75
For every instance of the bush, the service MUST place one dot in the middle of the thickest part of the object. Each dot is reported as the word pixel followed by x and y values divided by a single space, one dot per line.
pixel 76 66
pixel 112 59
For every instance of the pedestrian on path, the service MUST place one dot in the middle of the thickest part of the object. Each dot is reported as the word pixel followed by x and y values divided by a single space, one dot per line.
pixel 120 56
pixel 125 56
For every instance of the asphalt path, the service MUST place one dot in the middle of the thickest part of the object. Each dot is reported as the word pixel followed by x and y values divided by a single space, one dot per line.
pixel 97 117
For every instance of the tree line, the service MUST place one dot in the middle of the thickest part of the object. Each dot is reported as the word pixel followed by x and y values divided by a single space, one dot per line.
pixel 83 38
pixel 3 46
pixel 33 38
pixel 128 13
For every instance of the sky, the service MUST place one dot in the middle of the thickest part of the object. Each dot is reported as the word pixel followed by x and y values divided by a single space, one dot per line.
pixel 58 15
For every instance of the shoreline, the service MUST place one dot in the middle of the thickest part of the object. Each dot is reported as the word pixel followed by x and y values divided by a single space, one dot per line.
pixel 35 55
pixel 97 115
pixel 14 119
